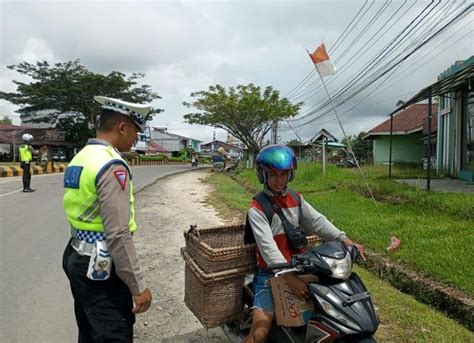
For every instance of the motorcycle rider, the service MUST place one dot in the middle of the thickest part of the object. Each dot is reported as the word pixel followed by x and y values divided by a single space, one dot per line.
pixel 276 165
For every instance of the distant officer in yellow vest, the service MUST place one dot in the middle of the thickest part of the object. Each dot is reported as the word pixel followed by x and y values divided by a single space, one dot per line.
pixel 100 260
pixel 26 156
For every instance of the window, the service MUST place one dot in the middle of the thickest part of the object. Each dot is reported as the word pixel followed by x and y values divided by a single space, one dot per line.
pixel 444 101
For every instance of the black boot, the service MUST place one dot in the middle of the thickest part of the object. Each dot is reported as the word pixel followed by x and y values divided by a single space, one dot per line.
pixel 28 189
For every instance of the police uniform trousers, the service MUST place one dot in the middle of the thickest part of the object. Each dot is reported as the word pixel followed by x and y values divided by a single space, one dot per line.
pixel 26 174
pixel 103 309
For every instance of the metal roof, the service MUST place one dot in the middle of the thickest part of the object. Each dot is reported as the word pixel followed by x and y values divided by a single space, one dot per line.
pixel 451 83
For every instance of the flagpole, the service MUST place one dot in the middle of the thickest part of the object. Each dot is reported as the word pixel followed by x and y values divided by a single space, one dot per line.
pixel 297 135
pixel 347 140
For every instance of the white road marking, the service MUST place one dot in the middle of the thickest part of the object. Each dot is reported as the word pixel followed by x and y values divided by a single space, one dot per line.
pixel 4 195
pixel 16 178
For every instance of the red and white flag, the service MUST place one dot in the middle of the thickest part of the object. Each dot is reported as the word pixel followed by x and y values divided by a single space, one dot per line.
pixel 321 60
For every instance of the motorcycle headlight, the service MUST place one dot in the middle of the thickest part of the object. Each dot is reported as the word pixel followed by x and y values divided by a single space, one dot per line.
pixel 341 268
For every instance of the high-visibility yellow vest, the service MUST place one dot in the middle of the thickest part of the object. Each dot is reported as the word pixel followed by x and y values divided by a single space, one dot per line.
pixel 80 199
pixel 25 153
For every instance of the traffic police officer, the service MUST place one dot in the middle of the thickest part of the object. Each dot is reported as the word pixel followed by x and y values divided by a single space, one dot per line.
pixel 100 260
pixel 26 155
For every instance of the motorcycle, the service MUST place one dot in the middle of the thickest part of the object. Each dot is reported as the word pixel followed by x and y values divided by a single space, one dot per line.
pixel 343 311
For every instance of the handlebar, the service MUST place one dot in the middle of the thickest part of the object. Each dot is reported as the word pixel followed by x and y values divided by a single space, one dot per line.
pixel 280 265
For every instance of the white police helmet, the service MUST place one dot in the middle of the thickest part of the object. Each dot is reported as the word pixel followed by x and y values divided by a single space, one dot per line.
pixel 139 113
pixel 27 137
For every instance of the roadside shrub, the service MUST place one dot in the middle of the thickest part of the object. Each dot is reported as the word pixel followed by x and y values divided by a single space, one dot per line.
pixel 128 156
pixel 159 157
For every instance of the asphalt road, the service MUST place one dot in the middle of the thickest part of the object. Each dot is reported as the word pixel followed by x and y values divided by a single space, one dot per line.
pixel 36 304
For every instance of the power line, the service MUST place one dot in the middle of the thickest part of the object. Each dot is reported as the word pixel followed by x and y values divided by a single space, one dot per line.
pixel 381 91
pixel 353 58
pixel 335 45
pixel 377 58
pixel 304 81
pixel 369 79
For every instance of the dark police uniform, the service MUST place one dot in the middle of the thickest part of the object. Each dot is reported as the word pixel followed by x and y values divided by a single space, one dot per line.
pixel 26 155
pixel 99 205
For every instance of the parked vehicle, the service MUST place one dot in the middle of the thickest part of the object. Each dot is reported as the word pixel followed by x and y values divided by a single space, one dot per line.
pixel 58 155
pixel 343 312
pixel 218 162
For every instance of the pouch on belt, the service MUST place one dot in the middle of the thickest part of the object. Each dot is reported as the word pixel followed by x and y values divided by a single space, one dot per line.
pixel 100 264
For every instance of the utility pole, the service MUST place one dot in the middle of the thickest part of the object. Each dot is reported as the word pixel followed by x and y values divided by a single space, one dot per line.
pixel 390 151
pixel 399 103
pixel 274 133
pixel 324 154
pixel 428 167
pixel 213 139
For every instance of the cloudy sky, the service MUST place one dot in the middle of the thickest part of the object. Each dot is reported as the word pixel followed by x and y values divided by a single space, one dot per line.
pixel 185 46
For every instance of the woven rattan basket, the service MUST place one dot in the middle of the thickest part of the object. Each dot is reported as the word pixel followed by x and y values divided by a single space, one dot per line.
pixel 216 249
pixel 214 298
pixel 220 248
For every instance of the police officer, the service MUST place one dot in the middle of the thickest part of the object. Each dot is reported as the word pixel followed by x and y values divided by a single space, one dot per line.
pixel 100 260
pixel 26 155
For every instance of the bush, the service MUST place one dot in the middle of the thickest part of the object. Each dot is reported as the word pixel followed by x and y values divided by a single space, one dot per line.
pixel 159 157
pixel 128 156
pixel 176 159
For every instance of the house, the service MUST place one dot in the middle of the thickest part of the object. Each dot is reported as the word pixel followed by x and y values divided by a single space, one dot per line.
pixel 52 141
pixel 312 150
pixel 232 151
pixel 155 149
pixel 455 141
pixel 173 143
pixel 323 134
pixel 408 135
pixel 232 140
pixel 453 118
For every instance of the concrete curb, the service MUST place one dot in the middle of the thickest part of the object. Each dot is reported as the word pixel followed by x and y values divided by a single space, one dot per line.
pixel 8 171
pixel 35 170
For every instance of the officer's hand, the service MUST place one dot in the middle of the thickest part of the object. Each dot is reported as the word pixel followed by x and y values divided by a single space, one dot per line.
pixel 142 301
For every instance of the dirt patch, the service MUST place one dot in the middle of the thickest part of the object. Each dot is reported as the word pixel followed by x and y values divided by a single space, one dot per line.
pixel 163 211
pixel 387 198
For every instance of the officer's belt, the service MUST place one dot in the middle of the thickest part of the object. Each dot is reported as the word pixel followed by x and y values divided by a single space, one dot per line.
pixel 82 247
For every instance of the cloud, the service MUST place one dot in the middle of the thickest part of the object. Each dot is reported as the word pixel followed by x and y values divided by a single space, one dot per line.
pixel 187 46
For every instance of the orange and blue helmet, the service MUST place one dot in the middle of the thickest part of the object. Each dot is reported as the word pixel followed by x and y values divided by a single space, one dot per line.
pixel 275 157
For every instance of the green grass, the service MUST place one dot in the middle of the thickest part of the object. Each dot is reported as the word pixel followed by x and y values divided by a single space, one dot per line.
pixel 436 229
pixel 403 319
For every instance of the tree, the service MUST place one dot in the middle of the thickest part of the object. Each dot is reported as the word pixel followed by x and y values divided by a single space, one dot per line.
pixel 69 88
pixel 6 120
pixel 77 131
pixel 245 111
pixel 294 142
pixel 362 148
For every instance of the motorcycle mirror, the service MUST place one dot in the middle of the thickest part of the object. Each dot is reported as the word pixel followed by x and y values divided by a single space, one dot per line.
pixel 354 252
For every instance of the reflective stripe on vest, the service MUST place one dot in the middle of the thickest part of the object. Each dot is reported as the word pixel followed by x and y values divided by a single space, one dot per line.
pixel 80 199
pixel 25 153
